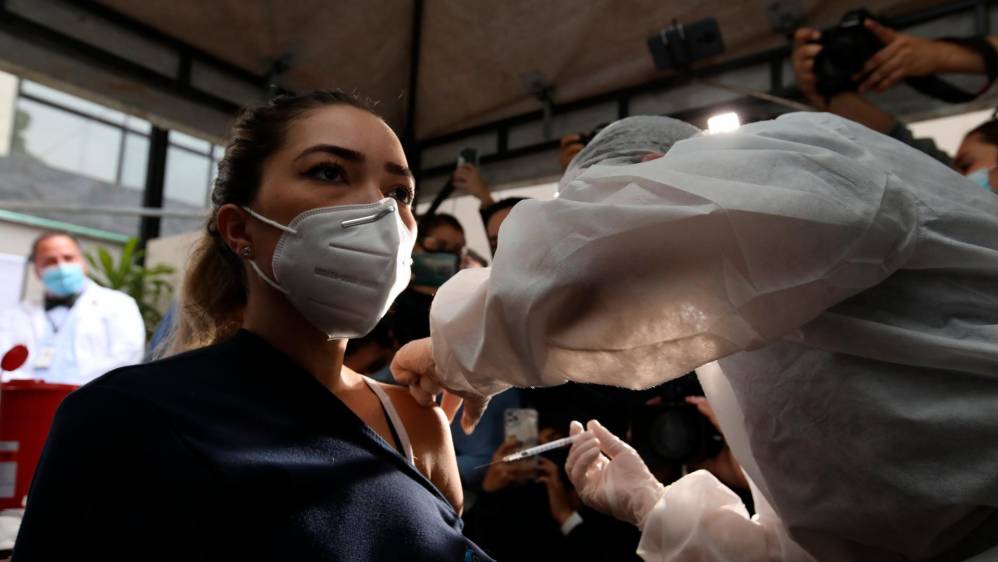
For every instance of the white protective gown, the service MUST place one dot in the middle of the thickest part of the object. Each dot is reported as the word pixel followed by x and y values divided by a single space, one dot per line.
pixel 836 291
pixel 103 331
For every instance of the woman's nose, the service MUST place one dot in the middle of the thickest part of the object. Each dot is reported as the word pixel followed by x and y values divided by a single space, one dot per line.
pixel 371 192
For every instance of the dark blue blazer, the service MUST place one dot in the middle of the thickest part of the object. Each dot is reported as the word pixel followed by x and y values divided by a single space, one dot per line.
pixel 231 452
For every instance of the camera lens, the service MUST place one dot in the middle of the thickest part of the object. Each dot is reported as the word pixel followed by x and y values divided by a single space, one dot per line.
pixel 671 435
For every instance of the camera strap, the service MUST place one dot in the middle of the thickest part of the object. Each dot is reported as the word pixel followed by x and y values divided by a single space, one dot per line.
pixel 936 87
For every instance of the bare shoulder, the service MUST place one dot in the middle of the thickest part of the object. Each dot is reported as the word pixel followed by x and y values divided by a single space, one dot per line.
pixel 432 446
pixel 427 427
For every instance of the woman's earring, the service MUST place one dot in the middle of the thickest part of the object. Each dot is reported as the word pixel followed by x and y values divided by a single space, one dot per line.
pixel 245 252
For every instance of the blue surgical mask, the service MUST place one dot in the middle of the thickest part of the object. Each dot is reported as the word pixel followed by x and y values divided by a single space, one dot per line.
pixel 981 177
pixel 64 280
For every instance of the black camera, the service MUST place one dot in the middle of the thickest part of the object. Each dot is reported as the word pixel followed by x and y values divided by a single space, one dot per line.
pixel 845 48
pixel 674 431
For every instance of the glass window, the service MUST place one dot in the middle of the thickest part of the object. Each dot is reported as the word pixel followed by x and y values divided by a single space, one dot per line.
pixel 67 141
pixel 138 125
pixel 135 160
pixel 187 141
pixel 67 100
pixel 186 178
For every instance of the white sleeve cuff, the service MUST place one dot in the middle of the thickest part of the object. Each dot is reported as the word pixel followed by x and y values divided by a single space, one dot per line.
pixel 572 522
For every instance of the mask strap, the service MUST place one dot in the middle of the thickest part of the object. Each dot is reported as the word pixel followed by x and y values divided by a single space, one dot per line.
pixel 270 282
pixel 265 220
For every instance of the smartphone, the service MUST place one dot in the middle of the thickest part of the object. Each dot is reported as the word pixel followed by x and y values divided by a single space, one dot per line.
pixel 467 156
pixel 521 424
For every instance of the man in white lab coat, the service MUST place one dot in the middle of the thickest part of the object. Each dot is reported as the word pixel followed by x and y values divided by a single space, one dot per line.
pixel 81 330
pixel 836 292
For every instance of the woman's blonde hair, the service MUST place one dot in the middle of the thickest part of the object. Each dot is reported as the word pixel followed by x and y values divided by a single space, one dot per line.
pixel 210 308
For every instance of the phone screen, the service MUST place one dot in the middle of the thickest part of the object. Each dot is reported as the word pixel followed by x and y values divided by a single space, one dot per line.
pixel 521 424
pixel 468 156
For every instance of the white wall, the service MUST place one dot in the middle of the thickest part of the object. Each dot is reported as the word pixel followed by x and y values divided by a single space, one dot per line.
pixel 174 251
pixel 8 92
pixel 948 132
pixel 466 209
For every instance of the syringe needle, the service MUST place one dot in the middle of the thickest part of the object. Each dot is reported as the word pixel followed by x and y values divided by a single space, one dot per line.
pixel 556 444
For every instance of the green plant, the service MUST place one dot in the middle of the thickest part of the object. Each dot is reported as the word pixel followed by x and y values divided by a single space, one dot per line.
pixel 147 285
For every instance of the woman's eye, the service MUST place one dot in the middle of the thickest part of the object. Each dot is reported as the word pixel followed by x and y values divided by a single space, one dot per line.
pixel 327 173
pixel 403 194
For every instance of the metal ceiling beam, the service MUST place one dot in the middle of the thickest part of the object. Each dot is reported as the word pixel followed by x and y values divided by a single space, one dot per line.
pixel 409 136
pixel 177 84
pixel 187 51
pixel 409 144
pixel 774 57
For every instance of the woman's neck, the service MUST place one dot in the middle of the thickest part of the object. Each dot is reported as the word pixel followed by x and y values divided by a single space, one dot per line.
pixel 271 317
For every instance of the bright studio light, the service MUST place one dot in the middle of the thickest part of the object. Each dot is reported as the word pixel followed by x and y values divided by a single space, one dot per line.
pixel 723 123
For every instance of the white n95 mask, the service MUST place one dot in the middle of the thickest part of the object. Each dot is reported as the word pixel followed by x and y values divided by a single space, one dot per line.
pixel 342 267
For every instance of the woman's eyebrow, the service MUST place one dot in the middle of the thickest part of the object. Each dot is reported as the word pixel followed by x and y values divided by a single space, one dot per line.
pixel 398 170
pixel 345 153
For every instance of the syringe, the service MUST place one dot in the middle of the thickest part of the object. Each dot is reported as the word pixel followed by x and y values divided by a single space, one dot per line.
pixel 529 452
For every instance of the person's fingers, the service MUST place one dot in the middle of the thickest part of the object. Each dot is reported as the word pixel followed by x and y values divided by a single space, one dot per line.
pixel 579 447
pixel 529 468
pixel 894 78
pixel 575 428
pixel 401 374
pixel 474 408
pixel 803 64
pixel 703 406
pixel 581 442
pixel 609 443
pixel 508 446
pixel 582 468
pixel 421 396
pixel 547 467
pixel 808 52
pixel 803 59
pixel 890 73
pixel 502 473
pixel 450 405
pixel 892 64
pixel 805 35
pixel 889 55
pixel 413 361
pixel 430 386
pixel 582 451
pixel 885 34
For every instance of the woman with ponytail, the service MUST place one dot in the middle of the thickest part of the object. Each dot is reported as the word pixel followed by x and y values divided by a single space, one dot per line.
pixel 250 439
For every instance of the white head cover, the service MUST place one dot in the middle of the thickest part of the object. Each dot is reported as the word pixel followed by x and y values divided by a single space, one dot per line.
pixel 627 141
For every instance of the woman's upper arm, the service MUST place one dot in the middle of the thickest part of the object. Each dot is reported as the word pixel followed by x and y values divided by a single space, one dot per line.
pixel 432 445
pixel 444 472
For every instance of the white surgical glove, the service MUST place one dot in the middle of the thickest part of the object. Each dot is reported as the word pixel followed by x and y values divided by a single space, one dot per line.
pixel 610 476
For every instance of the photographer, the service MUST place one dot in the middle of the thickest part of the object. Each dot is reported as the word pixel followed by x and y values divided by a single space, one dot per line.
pixel 468 178
pixel 902 56
pixel 676 432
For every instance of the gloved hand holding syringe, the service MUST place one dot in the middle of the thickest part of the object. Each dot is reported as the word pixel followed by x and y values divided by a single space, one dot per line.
pixel 536 450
